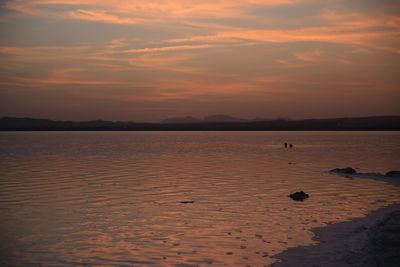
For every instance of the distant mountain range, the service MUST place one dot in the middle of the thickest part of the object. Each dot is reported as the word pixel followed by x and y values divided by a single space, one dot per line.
pixel 211 123
pixel 213 118
pixel 181 120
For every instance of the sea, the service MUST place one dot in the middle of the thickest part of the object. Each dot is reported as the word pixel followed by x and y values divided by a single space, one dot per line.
pixel 181 198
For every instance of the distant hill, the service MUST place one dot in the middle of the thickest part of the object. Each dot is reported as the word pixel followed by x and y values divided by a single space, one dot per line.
pixel 213 118
pixel 222 118
pixel 215 123
pixel 181 120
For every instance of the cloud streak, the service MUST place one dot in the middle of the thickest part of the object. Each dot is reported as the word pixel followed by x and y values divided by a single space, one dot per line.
pixel 101 16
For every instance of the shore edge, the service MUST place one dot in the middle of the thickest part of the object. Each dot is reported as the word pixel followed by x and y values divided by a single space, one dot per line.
pixel 373 240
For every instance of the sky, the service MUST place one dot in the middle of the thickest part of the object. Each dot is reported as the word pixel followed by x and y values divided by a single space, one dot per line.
pixel 147 60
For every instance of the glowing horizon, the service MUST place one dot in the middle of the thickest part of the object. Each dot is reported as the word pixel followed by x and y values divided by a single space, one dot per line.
pixel 150 60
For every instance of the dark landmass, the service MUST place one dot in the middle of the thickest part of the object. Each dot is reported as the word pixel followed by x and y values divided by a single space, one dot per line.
pixel 181 120
pixel 209 119
pixel 371 241
pixel 223 118
pixel 212 123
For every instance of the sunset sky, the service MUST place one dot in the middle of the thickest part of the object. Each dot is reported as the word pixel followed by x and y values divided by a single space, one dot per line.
pixel 146 60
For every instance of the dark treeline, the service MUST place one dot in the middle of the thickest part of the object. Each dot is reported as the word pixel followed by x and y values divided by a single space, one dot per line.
pixel 379 123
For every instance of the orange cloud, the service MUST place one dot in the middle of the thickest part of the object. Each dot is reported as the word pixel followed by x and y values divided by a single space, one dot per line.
pixel 132 12
pixel 100 16
pixel 371 39
pixel 339 26
pixel 163 49
pixel 11 50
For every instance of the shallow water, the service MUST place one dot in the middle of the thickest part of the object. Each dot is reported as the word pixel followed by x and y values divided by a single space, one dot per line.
pixel 114 198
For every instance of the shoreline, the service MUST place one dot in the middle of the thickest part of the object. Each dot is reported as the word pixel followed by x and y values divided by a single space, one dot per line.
pixel 391 179
pixel 373 240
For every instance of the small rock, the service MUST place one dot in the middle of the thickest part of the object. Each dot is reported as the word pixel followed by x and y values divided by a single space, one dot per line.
pixel 186 201
pixel 209 261
pixel 347 170
pixel 299 196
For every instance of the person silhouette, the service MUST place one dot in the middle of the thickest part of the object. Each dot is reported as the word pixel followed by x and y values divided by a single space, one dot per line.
pixel 285 145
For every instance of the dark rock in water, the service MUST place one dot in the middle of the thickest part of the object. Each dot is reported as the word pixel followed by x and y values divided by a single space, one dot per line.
pixel 299 196
pixel 186 202
pixel 346 170
pixel 393 173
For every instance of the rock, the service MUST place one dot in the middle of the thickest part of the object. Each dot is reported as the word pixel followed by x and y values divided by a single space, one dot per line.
pixel 393 173
pixel 346 170
pixel 299 196
pixel 186 202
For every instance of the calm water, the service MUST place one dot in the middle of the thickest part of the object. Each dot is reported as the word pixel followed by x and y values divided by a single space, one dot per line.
pixel 113 198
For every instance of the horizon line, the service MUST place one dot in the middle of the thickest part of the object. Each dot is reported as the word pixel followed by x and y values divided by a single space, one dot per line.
pixel 202 120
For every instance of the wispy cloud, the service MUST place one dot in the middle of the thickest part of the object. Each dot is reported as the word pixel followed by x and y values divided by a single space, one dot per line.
pixel 101 16
pixel 310 56
pixel 334 25
pixel 118 11
pixel 163 49
pixel 369 38
pixel 11 50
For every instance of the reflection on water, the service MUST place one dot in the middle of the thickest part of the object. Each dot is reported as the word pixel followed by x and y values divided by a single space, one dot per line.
pixel 114 198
